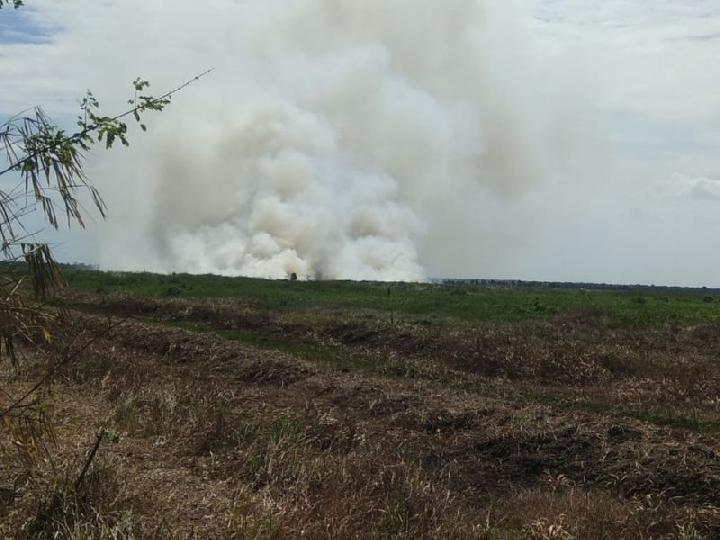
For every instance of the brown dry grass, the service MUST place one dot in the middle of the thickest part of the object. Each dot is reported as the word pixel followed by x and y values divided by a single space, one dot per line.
pixel 558 429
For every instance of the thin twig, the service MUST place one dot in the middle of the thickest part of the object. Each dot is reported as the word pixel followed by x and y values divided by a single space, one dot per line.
pixel 88 461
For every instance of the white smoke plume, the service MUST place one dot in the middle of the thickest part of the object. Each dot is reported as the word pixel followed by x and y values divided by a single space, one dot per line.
pixel 361 139
pixel 395 139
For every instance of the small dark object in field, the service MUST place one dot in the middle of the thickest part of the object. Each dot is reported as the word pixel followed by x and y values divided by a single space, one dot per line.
pixel 708 299
pixel 293 277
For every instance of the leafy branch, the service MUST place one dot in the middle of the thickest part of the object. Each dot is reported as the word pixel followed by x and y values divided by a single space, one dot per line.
pixel 49 161
pixel 15 3
pixel 48 164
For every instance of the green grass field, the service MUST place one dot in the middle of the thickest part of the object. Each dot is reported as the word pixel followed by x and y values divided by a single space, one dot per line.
pixel 431 303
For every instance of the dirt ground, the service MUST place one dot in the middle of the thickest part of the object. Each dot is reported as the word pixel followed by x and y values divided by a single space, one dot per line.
pixel 360 428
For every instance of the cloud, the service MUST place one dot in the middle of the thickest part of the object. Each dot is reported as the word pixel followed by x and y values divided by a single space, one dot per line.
pixel 682 186
pixel 648 52
pixel 18 27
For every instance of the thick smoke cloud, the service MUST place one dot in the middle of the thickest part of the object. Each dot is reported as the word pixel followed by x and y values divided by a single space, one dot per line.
pixel 534 139
pixel 339 139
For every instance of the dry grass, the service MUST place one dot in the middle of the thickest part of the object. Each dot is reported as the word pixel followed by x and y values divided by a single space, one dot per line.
pixel 213 438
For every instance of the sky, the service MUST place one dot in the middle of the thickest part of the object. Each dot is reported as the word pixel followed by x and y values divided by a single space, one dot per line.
pixel 598 125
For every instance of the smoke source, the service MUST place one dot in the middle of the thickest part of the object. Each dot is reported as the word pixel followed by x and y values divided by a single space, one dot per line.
pixel 360 139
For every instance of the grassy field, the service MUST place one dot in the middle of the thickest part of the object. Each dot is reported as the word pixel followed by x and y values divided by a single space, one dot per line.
pixel 435 303
pixel 240 408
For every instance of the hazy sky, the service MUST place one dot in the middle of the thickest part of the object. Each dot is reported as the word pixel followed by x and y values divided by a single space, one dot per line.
pixel 627 90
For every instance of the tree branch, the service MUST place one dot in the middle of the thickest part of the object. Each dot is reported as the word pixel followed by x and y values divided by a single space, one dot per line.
pixel 78 137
